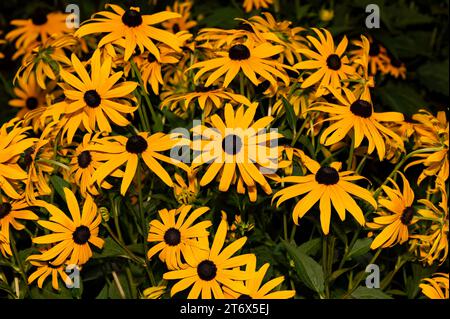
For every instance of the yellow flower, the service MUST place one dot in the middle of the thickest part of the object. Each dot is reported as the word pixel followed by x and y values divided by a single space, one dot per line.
pixel 73 236
pixel 330 63
pixel 249 5
pixel 119 150
pixel 40 26
pixel 129 28
pixel 396 215
pixel 13 143
pixel 257 289
pixel 95 100
pixel 250 57
pixel 182 23
pixel 5 248
pixel 175 235
pixel 436 287
pixel 154 292
pixel 209 270
pixel 236 148
pixel 10 213
pixel 45 269
pixel 356 115
pixel 328 186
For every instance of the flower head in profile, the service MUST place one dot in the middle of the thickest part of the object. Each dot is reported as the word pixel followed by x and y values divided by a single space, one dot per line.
pixel 396 214
pixel 436 287
pixel 11 213
pixel 175 232
pixel 184 22
pixel 72 237
pixel 326 185
pixel 210 269
pixel 130 28
pixel 250 5
pixel 95 99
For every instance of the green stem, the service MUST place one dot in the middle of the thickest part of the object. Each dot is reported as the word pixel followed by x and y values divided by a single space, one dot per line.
pixel 132 256
pixel 285 227
pixel 350 154
pixel 144 227
pixel 19 264
pixel 142 111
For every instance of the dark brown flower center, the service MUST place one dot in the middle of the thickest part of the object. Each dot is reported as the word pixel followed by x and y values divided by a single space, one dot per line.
pixel 396 62
pixel 327 175
pixel 39 17
pixel 92 98
pixel 207 270
pixel 151 58
pixel 81 235
pixel 239 52
pixel 5 209
pixel 84 159
pixel 374 49
pixel 136 144
pixel 172 237
pixel 361 108
pixel 31 103
pixel 28 157
pixel 176 28
pixel 232 144
pixel 334 62
pixel 201 88
pixel 407 215
pixel 132 18
pixel 244 297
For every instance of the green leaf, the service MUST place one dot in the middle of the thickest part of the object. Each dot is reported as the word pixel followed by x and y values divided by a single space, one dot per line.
pixel 311 247
pixel 308 270
pixel 434 76
pixel 59 184
pixel 361 247
pixel 290 114
pixel 369 293
pixel 110 249
pixel 400 98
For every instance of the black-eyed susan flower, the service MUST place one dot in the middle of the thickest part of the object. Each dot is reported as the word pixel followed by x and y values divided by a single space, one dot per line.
pixel 85 162
pixel 208 98
pixel 10 214
pixel 184 22
pixel 433 244
pixel 151 68
pixel 433 134
pixel 154 292
pixel 186 193
pixel 256 288
pixel 29 98
pixel 378 59
pixel 208 270
pixel 72 236
pixel 95 99
pixel 40 26
pixel 436 287
pixel 13 143
pixel 47 59
pixel 356 115
pixel 175 233
pixel 249 5
pixel 396 68
pixel 330 63
pixel 251 58
pixel 327 186
pixel 46 269
pixel 397 213
pixel 129 28
pixel 119 150
pixel 237 147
